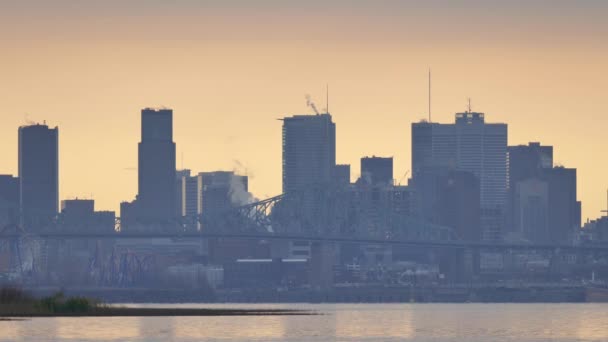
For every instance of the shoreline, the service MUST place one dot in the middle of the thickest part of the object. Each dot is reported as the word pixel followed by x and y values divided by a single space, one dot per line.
pixel 157 312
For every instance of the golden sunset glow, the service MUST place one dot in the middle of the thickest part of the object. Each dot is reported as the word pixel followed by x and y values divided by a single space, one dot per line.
pixel 229 71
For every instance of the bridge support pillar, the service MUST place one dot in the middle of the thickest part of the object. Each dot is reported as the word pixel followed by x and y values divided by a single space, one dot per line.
pixel 323 258
pixel 459 265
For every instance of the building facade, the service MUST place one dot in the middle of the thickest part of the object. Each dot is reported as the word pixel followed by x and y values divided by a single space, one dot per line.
pixel 472 145
pixel 377 170
pixel 309 151
pixel 38 175
pixel 156 200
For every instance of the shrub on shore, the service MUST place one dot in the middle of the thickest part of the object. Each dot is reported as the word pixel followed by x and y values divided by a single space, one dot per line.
pixel 16 301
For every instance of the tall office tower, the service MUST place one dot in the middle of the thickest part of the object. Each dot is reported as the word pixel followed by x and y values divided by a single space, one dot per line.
pixel 564 209
pixel 470 144
pixel 526 163
pixel 377 170
pixel 309 151
pixel 530 212
pixel 222 190
pixel 458 204
pixel 38 175
pixel 156 196
pixel 9 200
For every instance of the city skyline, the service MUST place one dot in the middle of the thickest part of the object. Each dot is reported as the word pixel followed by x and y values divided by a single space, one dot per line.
pixel 228 78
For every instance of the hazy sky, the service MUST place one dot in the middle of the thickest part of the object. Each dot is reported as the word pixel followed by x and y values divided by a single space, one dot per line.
pixel 229 69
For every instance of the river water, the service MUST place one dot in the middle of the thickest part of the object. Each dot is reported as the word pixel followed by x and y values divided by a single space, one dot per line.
pixel 338 322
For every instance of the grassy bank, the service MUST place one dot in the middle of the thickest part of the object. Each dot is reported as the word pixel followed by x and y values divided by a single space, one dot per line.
pixel 16 303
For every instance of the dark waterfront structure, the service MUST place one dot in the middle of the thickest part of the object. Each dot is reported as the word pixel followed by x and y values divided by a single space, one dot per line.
pixel 309 151
pixel 472 145
pixel 377 170
pixel 156 166
pixel 38 175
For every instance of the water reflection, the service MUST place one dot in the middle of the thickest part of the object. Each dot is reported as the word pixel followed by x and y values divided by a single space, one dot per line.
pixel 386 321
pixel 97 328
pixel 396 322
pixel 231 328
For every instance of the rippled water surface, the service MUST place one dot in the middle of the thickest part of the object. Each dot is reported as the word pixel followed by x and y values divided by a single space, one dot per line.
pixel 349 322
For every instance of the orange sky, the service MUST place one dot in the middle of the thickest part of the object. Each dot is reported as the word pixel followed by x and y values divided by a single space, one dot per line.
pixel 229 69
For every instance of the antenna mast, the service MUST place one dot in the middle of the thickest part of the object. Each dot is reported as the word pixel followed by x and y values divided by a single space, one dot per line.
pixel 430 95
pixel 327 97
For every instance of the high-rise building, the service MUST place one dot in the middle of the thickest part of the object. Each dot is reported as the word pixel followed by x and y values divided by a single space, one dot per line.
pixel 564 209
pixel 377 170
pixel 531 210
pixel 458 204
pixel 156 166
pixel 180 175
pixel 472 145
pixel 526 162
pixel 38 175
pixel 309 151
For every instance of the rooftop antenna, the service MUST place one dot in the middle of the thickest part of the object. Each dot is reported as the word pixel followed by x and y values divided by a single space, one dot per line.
pixel 327 97
pixel 469 104
pixel 430 95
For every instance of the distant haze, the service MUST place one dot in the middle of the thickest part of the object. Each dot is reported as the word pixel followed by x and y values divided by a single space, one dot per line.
pixel 229 69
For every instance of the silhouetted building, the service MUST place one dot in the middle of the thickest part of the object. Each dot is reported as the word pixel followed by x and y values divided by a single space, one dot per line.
pixel 564 209
pixel 459 205
pixel 186 193
pixel 222 190
pixel 38 175
pixel 596 230
pixel 9 200
pixel 531 210
pixel 377 170
pixel 309 151
pixel 449 198
pixel 342 174
pixel 472 145
pixel 156 196
pixel 526 162
pixel 79 215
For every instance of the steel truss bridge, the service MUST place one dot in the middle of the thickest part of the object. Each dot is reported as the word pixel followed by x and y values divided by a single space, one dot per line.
pixel 320 216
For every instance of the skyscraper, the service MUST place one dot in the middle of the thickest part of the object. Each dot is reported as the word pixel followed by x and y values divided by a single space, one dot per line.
pixel 38 175
pixel 564 209
pixel 156 166
pixel 309 151
pixel 526 166
pixel 470 144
